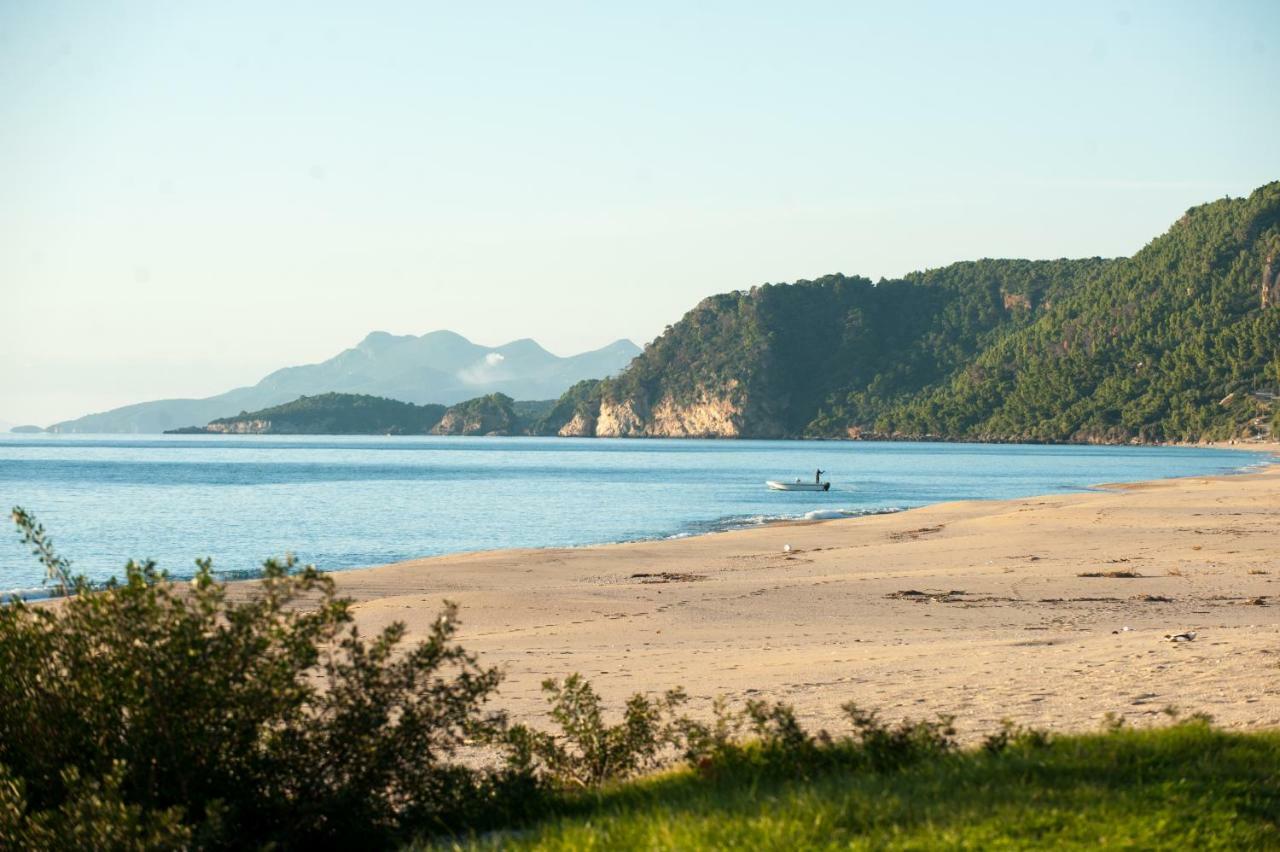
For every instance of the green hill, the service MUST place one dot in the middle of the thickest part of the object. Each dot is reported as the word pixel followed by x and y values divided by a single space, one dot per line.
pixel 493 414
pixel 361 414
pixel 331 414
pixel 1171 344
pixel 1181 341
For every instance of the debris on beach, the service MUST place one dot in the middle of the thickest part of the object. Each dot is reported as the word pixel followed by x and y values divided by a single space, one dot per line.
pixel 667 577
pixel 1188 636
pixel 911 535
pixel 921 597
pixel 1081 600
pixel 1116 575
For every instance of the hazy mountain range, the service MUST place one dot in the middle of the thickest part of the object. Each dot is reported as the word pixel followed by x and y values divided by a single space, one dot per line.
pixel 439 367
pixel 1179 342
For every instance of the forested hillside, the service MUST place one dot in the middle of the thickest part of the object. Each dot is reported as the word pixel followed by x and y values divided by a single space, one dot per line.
pixel 1172 344
pixel 330 414
pixel 361 414
pixel 1178 342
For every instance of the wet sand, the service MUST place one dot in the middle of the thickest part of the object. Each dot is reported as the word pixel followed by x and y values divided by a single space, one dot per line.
pixel 979 609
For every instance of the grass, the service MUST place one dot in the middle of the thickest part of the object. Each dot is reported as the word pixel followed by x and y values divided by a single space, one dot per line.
pixel 1182 787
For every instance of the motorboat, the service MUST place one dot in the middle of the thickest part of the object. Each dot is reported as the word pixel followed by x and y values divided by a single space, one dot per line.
pixel 798 485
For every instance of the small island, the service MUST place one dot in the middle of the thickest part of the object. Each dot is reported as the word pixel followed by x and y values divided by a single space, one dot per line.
pixel 364 414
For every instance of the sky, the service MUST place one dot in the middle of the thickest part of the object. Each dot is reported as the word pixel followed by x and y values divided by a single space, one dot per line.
pixel 195 194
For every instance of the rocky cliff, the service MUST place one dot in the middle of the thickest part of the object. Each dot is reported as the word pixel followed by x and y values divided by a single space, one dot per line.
pixel 240 427
pixel 705 416
pixel 488 415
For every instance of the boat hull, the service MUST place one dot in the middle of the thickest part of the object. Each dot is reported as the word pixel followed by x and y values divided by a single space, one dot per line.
pixel 798 486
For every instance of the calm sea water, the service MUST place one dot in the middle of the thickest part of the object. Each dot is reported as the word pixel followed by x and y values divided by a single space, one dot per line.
pixel 345 502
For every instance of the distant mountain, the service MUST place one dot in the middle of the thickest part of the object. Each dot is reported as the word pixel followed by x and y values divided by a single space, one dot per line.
pixel 1179 342
pixel 440 367
pixel 25 430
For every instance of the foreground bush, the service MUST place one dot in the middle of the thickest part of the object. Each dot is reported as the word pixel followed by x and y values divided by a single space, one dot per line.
pixel 166 711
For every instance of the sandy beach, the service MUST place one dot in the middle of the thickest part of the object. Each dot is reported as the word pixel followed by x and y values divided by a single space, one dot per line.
pixel 1049 611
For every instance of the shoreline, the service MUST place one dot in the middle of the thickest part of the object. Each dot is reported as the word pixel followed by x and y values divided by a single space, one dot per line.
pixel 714 526
pixel 987 609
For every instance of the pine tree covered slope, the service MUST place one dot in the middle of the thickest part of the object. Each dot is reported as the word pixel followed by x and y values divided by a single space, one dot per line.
pixel 1148 350
pixel 1141 348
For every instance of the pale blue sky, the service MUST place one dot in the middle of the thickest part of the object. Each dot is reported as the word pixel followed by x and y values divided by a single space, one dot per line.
pixel 193 194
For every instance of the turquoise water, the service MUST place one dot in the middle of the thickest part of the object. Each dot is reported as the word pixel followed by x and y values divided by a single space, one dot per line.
pixel 345 502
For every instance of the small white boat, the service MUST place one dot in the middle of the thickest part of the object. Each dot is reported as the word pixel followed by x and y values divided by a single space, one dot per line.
pixel 798 485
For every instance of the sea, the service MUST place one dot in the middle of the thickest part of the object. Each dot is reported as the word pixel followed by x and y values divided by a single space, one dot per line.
pixel 346 502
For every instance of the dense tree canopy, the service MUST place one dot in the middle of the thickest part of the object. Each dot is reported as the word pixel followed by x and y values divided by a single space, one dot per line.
pixel 1174 343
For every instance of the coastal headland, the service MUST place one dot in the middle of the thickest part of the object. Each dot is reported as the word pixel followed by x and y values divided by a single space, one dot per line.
pixel 1051 611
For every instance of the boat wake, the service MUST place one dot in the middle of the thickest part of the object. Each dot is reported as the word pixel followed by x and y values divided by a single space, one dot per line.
pixel 739 522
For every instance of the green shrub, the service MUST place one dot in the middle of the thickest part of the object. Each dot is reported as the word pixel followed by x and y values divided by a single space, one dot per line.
pixel 779 745
pixel 1012 735
pixel 149 699
pixel 93 815
pixel 587 751
pixel 909 741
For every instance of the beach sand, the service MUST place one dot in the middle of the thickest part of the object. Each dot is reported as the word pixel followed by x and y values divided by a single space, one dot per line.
pixel 1007 628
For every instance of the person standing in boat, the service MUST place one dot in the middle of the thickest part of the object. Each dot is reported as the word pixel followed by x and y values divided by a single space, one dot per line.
pixel 817 476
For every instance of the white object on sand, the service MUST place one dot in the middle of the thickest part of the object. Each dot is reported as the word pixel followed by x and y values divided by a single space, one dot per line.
pixel 1188 636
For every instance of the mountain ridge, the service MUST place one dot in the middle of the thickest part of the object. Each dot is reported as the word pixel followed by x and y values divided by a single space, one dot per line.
pixel 439 367
pixel 1180 342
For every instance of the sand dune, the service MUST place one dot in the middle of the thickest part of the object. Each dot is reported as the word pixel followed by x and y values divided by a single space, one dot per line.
pixel 980 609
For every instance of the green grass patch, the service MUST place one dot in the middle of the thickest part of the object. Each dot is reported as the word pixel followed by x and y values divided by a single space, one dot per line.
pixel 1187 786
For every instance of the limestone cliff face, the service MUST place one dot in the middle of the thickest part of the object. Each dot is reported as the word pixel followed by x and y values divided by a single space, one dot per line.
pixel 581 426
pixel 708 415
pixel 459 423
pixel 1270 285
pixel 620 419
pixel 240 427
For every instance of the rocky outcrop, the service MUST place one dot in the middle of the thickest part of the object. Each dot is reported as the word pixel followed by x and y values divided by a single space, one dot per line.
pixel 487 415
pixel 239 427
pixel 620 419
pixel 1016 300
pixel 708 415
pixel 580 426
pixel 462 423
pixel 1270 283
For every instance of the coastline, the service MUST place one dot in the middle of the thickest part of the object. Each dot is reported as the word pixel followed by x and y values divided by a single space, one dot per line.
pixel 1006 626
